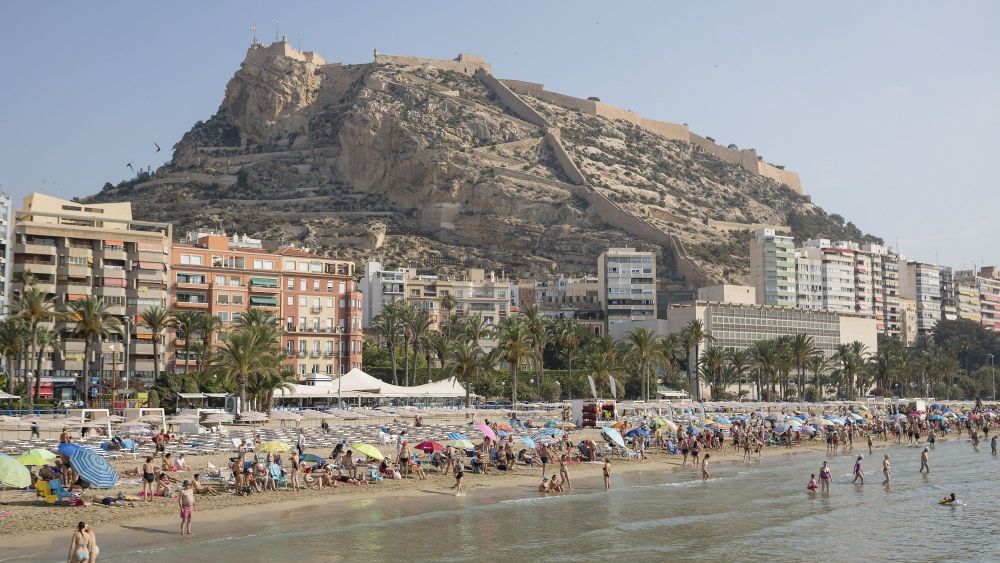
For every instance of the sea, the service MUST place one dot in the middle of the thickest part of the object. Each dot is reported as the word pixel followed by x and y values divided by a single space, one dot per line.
pixel 756 512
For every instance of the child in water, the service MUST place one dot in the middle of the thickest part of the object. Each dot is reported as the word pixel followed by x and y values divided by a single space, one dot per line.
pixel 812 486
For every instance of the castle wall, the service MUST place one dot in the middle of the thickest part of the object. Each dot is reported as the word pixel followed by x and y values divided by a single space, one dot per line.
pixel 259 53
pixel 466 66
pixel 510 100
pixel 790 179
pixel 566 163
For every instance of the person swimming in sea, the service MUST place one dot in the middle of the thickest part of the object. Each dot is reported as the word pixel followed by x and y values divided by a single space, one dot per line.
pixel 948 500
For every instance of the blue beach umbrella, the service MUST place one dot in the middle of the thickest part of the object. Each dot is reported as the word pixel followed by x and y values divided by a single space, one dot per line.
pixel 457 436
pixel 723 420
pixel 94 469
pixel 311 458
pixel 69 449
pixel 637 432
pixel 527 441
pixel 935 417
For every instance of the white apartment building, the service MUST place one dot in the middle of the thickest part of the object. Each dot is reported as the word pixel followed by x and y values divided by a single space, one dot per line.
pixel 772 268
pixel 627 279
pixel 921 282
pixel 6 251
pixel 379 288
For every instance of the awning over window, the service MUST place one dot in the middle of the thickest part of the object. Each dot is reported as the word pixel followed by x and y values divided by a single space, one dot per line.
pixel 76 296
pixel 141 336
pixel 108 242
pixel 151 248
pixel 263 300
pixel 150 266
pixel 264 282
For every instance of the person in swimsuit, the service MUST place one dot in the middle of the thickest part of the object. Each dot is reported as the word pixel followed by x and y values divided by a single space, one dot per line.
pixel 886 470
pixel 825 477
pixel 545 456
pixel 564 472
pixel 83 545
pixel 295 471
pixel 858 472
pixel 607 474
pixel 459 478
pixel 948 500
pixel 148 477
pixel 186 501
pixel 704 468
pixel 923 461
pixel 812 486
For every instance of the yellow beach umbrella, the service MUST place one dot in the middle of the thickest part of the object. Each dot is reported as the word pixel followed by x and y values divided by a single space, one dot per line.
pixel 13 474
pixel 273 446
pixel 367 450
pixel 35 457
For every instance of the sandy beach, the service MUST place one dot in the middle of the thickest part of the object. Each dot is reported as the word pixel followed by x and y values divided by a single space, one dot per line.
pixel 35 528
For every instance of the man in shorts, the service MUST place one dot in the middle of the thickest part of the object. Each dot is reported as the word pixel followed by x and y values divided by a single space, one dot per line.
pixel 186 502
pixel 459 477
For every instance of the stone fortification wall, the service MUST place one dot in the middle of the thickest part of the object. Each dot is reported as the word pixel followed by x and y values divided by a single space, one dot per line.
pixel 510 100
pixel 569 168
pixel 467 64
pixel 528 177
pixel 258 53
pixel 790 179
pixel 730 226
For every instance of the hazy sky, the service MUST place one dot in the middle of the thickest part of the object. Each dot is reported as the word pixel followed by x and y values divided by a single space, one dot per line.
pixel 889 111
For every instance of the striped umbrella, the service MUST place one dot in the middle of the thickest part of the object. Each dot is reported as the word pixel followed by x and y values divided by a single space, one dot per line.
pixel 457 436
pixel 94 469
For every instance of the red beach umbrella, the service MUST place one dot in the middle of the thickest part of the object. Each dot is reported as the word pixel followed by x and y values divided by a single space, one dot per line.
pixel 428 447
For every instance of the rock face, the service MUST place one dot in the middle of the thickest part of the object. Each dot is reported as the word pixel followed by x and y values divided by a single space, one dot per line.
pixel 418 162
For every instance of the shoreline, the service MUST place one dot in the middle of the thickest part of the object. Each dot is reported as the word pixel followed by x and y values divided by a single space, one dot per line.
pixel 145 531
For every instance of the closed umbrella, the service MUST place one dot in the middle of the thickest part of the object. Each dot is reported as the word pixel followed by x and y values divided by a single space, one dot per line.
pixel 13 474
pixel 36 457
pixel 367 450
pixel 94 469
pixel 486 430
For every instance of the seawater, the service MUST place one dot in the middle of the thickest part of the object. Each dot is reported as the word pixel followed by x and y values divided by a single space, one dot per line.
pixel 757 512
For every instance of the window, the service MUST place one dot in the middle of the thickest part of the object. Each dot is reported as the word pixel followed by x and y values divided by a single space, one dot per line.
pixel 315 368
pixel 343 288
pixel 329 325
pixel 223 299
pixel 237 317
pixel 234 262
pixel 329 286
pixel 329 302
pixel 223 316
pixel 316 302
pixel 303 284
pixel 316 346
pixel 315 285
pixel 291 301
pixel 194 259
pixel 302 347
pixel 315 267
pixel 220 280
pixel 291 283
pixel 236 299
pixel 303 301
pixel 289 346
pixel 302 369
pixel 263 264
pixel 234 281
pixel 329 369
pixel 303 266
pixel 329 347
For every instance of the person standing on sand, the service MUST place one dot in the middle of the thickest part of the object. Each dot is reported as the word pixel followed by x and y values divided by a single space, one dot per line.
pixel 459 478
pixel 923 461
pixel 295 471
pixel 564 472
pixel 886 470
pixel 825 477
pixel 704 468
pixel 186 501
pixel 607 474
pixel 993 444
pixel 148 476
pixel 858 472
pixel 545 456
pixel 869 444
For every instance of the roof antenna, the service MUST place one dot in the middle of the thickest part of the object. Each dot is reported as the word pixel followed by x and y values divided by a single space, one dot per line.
pixel 253 34
pixel 276 24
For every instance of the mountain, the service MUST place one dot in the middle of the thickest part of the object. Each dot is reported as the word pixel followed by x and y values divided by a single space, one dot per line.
pixel 437 163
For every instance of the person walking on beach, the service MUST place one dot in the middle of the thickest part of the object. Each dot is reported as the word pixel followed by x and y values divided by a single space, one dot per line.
pixel 83 544
pixel 825 477
pixel 301 443
pixel 564 471
pixel 993 444
pixel 459 479
pixel 858 472
pixel 186 501
pixel 931 438
pixel 607 474
pixel 886 470
pixel 704 468
pixel 924 456
pixel 869 444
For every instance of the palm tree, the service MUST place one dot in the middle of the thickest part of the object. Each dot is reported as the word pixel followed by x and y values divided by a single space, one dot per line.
pixel 801 348
pixel 693 335
pixel 468 363
pixel 852 358
pixel 249 352
pixel 255 316
pixel 36 308
pixel 885 364
pixel 406 314
pixel 448 303
pixel 475 327
pixel 738 364
pixel 784 363
pixel 417 326
pixel 765 356
pixel 388 326
pixel 13 344
pixel 45 338
pixel 514 347
pixel 157 319
pixel 262 385
pixel 712 364
pixel 93 325
pixel 207 327
pixel 569 337
pixel 642 352
pixel 538 330
pixel 599 364
pixel 187 323
pixel 818 364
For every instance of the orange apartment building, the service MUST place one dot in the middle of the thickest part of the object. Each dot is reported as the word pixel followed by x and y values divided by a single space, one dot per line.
pixel 315 299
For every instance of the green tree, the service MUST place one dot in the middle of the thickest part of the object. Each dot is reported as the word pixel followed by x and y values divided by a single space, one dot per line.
pixel 801 347
pixel 249 352
pixel 643 353
pixel 538 330
pixel 157 320
pixel 712 365
pixel 693 335
pixel 468 363
pixel 36 308
pixel 388 326
pixel 417 326
pixel 93 324
pixel 187 323
pixel 514 347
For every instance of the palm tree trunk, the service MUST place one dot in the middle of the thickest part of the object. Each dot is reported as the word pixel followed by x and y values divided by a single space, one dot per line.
pixel 406 361
pixel 513 384
pixel 84 387
pixel 427 358
pixel 38 374
pixel 187 352
pixel 10 374
pixel 156 358
pixel 392 358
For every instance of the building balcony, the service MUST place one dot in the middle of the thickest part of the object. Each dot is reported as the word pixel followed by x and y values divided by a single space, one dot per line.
pixel 74 271
pixel 191 285
pixel 191 304
pixel 316 309
pixel 107 291
pixel 114 255
pixel 143 347
pixel 29 248
pixel 79 251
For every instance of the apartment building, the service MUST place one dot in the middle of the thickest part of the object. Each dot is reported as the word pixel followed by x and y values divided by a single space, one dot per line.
pixel 577 298
pixel 6 252
pixel 76 250
pixel 977 296
pixel 314 298
pixel 949 295
pixel 627 280
pixel 380 287
pixel 773 269
pixel 921 282
pixel 475 293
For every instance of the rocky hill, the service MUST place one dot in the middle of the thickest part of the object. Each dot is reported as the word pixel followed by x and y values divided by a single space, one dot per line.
pixel 439 164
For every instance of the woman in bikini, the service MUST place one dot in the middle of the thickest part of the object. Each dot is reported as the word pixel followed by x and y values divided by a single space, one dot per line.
pixel 83 545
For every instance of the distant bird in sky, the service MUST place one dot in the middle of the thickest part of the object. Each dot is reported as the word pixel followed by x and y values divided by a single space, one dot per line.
pixel 130 167
pixel 157 147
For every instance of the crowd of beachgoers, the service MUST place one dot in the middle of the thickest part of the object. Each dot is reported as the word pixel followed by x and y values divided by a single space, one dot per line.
pixel 110 479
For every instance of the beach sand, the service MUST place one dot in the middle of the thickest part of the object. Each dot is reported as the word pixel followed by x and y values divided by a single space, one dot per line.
pixel 35 528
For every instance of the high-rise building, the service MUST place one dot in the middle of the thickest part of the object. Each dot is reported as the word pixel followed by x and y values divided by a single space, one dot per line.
pixel 76 250
pixel 921 282
pixel 312 297
pixel 6 251
pixel 380 287
pixel 977 296
pixel 627 279
pixel 772 268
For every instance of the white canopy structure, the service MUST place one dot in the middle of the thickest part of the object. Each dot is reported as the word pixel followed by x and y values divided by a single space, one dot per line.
pixel 358 384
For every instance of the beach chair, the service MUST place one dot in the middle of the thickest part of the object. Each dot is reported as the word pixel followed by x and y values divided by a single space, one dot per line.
pixel 375 475
pixel 56 487
pixel 275 472
pixel 44 492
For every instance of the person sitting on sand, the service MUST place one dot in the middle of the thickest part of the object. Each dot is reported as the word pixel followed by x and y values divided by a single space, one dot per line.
pixel 250 482
pixel 162 485
pixel 202 489
pixel 555 485
pixel 168 464
pixel 181 463
pixel 417 467
pixel 545 485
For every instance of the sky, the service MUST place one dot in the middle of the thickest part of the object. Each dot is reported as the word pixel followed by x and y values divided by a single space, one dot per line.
pixel 889 111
